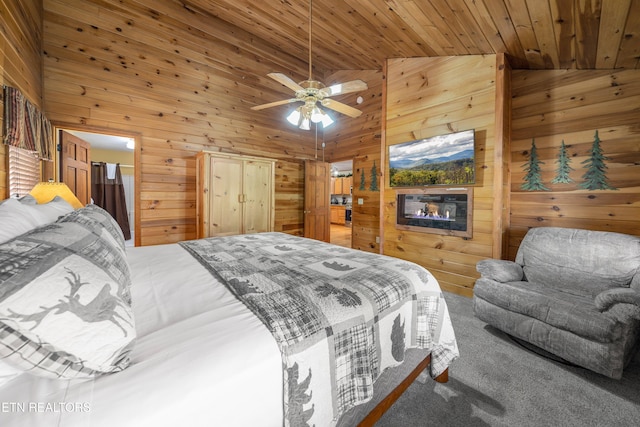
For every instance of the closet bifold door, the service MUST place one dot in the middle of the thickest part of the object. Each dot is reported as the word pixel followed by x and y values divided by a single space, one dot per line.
pixel 225 197
pixel 235 194
pixel 258 204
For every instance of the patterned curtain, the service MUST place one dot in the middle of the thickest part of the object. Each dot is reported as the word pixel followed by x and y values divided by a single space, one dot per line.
pixel 25 126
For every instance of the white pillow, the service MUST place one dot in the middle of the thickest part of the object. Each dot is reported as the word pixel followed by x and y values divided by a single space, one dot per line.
pixel 15 219
pixel 46 213
pixel 17 216
pixel 28 200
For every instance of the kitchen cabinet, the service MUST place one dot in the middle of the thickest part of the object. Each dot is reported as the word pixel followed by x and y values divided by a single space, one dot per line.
pixel 341 185
pixel 334 186
pixel 346 185
pixel 338 214
pixel 235 194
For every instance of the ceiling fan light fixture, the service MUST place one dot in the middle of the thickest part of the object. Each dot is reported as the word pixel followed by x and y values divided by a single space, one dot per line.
pixel 312 92
pixel 305 124
pixel 294 117
pixel 326 120
pixel 317 115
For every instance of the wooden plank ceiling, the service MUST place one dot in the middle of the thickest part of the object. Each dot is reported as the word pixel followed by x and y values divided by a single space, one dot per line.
pixel 360 35
pixel 187 72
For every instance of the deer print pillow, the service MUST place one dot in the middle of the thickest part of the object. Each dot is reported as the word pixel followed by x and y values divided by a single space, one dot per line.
pixel 65 307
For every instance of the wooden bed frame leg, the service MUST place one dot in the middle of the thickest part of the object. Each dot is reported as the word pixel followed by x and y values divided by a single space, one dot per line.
pixel 443 377
pixel 381 408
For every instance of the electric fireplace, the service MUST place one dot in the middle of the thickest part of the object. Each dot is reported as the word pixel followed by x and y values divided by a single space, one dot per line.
pixel 440 211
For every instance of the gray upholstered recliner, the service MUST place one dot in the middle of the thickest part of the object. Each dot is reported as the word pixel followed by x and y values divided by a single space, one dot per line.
pixel 574 293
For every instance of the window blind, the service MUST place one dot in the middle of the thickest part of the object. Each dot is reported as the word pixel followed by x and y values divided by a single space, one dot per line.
pixel 24 171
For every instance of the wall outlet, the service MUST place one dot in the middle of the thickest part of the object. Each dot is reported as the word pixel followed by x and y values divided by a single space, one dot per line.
pixel 377 239
pixel 360 200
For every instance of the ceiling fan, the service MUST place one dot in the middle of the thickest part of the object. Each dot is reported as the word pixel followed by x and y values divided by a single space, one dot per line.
pixel 314 94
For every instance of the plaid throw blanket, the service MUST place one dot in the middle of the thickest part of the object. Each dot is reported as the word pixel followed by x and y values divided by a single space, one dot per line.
pixel 340 316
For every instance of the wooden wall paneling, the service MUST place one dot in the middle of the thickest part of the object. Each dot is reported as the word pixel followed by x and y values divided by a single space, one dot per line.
pixel 571 91
pixel 145 80
pixel 358 139
pixel 194 31
pixel 167 195
pixel 114 65
pixel 215 132
pixel 219 132
pixel 440 85
pixel 21 35
pixel 350 137
pixel 144 47
pixel 572 111
pixel 185 80
pixel 20 61
pixel 407 98
pixel 289 188
pixel 365 219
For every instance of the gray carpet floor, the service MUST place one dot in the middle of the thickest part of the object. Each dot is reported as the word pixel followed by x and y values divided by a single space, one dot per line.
pixel 497 382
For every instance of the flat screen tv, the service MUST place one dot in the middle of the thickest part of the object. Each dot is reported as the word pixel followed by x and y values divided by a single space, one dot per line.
pixel 439 160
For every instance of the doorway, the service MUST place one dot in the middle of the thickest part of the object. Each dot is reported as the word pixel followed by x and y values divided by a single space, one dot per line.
pixel 112 148
pixel 341 198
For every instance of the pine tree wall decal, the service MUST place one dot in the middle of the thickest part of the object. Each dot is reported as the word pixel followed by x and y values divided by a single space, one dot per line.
pixel 532 180
pixel 595 176
pixel 362 180
pixel 374 178
pixel 563 170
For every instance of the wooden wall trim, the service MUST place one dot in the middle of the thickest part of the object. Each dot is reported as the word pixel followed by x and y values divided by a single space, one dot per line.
pixel 501 150
pixel 57 126
pixel 383 151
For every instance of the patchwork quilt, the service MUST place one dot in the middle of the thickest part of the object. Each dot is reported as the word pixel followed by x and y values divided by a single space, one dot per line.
pixel 340 316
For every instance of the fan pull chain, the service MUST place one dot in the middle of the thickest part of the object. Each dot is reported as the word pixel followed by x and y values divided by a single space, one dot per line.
pixel 316 152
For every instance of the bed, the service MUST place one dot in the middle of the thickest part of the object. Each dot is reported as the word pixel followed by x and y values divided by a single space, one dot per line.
pixel 176 336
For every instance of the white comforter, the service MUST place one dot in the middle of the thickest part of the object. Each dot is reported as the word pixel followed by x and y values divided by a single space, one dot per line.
pixel 187 367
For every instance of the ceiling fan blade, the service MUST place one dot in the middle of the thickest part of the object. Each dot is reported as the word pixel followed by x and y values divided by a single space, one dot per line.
pixel 285 81
pixel 340 88
pixel 341 108
pixel 275 104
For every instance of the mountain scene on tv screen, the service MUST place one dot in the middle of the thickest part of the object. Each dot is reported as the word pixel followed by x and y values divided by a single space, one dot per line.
pixel 439 160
